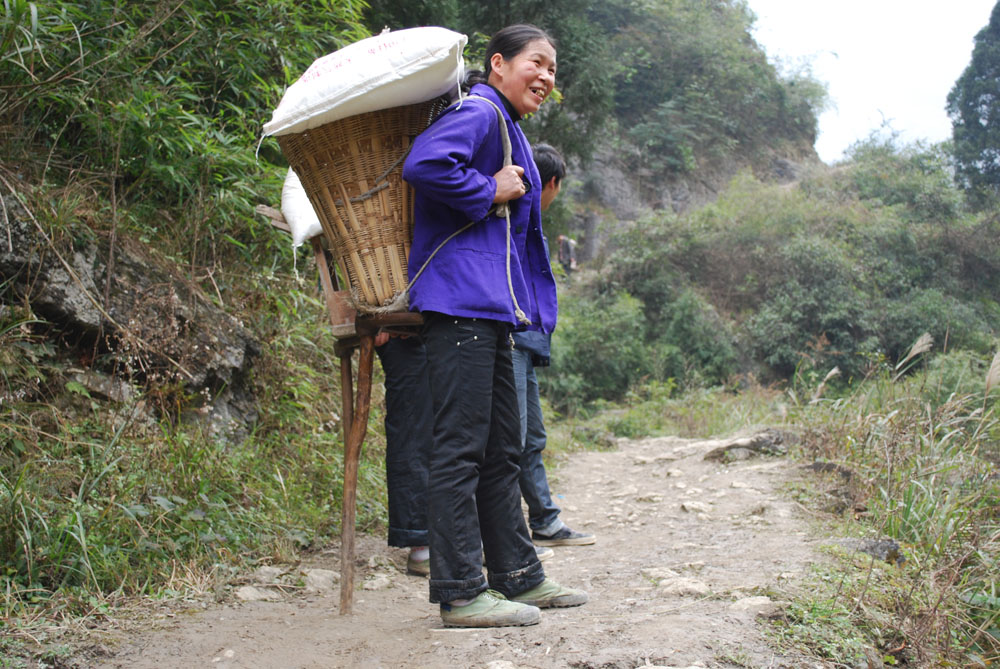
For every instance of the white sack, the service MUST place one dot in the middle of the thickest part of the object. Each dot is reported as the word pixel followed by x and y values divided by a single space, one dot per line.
pixel 298 210
pixel 388 70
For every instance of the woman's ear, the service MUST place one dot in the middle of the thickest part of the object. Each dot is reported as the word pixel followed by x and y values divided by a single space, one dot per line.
pixel 496 62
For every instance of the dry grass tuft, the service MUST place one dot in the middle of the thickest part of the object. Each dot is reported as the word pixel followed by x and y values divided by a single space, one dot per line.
pixel 922 345
pixel 993 376
pixel 832 374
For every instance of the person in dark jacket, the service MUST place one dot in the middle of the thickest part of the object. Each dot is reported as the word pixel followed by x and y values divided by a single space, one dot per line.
pixel 476 284
pixel 531 349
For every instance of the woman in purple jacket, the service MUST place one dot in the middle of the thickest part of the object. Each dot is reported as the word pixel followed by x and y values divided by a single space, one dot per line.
pixel 472 291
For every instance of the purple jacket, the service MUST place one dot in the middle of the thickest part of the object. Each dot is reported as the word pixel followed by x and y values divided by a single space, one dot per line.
pixel 451 168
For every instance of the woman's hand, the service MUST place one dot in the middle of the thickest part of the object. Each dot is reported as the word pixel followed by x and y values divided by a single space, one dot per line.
pixel 510 186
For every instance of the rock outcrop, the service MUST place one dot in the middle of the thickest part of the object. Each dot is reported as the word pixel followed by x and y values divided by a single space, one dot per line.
pixel 151 325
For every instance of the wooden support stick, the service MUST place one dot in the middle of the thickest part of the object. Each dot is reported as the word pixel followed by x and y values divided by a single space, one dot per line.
pixel 352 456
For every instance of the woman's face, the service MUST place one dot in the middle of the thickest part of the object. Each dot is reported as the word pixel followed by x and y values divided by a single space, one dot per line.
pixel 527 78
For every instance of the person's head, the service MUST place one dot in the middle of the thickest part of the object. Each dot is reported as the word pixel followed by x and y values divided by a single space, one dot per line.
pixel 521 63
pixel 551 169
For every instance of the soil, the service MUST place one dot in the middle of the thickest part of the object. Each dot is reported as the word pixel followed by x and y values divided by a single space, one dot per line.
pixel 692 558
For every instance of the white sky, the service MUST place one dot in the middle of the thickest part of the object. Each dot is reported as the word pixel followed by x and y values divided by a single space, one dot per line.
pixel 891 60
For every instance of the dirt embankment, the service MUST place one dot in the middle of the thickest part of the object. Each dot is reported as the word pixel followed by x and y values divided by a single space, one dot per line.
pixel 691 558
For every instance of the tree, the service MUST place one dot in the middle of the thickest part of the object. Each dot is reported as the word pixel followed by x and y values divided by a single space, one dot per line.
pixel 974 108
pixel 587 64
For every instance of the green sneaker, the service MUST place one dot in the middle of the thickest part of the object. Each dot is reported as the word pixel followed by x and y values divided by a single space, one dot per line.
pixel 549 594
pixel 490 609
pixel 418 567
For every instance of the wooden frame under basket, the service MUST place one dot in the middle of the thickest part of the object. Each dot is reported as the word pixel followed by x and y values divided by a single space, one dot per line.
pixel 352 171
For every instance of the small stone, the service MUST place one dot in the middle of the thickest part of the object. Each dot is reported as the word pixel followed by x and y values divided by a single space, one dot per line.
pixel 773 611
pixel 267 574
pixel 249 593
pixel 650 497
pixel 501 664
pixel 737 454
pixel 749 603
pixel 320 580
pixel 377 582
pixel 379 562
pixel 694 506
pixel 738 484
pixel 682 586
pixel 675 472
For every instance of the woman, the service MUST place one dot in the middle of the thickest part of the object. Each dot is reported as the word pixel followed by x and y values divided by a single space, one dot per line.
pixel 473 290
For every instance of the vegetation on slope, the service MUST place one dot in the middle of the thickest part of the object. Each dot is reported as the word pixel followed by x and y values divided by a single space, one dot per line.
pixel 845 269
pixel 141 119
pixel 677 84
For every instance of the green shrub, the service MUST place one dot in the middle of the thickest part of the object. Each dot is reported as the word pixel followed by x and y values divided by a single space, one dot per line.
pixel 951 322
pixel 914 178
pixel 161 105
pixel 696 343
pixel 597 350
pixel 817 309
pixel 852 265
pixel 922 451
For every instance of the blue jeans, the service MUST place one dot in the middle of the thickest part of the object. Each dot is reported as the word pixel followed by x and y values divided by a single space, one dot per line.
pixel 408 421
pixel 543 514
pixel 474 505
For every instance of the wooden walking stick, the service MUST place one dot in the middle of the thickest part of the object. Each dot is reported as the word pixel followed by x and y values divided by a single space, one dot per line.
pixel 352 456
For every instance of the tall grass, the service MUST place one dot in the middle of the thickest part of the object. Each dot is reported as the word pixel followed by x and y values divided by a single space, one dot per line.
pixel 104 499
pixel 923 442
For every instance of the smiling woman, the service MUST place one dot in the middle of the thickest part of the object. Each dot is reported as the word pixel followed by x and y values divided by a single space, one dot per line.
pixel 473 289
pixel 527 78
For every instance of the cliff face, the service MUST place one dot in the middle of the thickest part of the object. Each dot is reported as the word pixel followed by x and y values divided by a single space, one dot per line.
pixel 151 325
pixel 608 193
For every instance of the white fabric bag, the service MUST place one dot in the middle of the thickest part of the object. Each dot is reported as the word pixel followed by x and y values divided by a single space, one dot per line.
pixel 298 210
pixel 388 70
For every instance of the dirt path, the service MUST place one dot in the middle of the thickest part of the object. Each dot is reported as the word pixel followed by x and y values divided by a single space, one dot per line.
pixel 685 548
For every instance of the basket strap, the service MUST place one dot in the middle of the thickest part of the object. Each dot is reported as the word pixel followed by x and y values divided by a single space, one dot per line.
pixel 502 209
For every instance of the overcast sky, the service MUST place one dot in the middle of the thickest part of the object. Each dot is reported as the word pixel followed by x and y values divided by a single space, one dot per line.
pixel 882 60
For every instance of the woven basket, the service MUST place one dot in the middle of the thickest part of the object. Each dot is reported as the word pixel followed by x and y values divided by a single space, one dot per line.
pixel 352 171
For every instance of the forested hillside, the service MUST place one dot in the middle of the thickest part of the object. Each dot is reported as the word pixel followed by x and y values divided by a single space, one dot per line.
pixel 169 395
pixel 661 98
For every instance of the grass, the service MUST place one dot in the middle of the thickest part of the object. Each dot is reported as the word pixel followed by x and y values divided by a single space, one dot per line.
pixel 923 448
pixel 656 409
pixel 102 502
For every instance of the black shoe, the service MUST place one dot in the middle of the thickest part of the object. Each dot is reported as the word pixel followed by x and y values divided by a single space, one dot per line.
pixel 563 537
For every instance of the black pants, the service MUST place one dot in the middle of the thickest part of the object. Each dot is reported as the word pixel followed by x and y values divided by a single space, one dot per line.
pixel 408 421
pixel 474 501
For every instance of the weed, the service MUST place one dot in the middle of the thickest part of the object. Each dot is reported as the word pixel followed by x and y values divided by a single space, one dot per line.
pixel 919 476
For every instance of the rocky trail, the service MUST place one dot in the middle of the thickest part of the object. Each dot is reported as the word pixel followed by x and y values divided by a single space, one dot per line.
pixel 687 547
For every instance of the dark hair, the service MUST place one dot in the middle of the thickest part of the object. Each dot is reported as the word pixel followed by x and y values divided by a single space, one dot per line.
pixel 549 162
pixel 508 42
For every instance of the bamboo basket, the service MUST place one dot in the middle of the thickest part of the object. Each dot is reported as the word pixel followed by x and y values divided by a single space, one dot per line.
pixel 352 171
